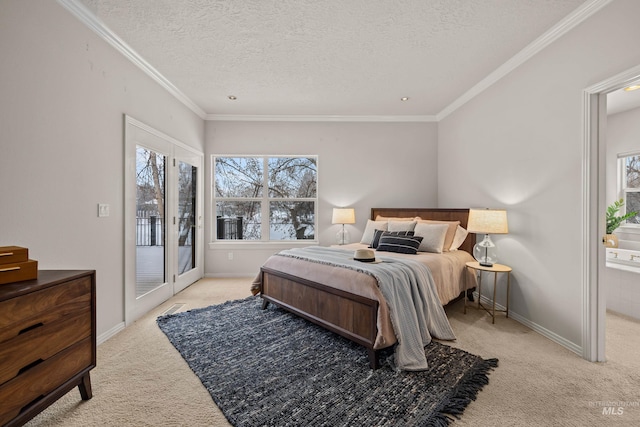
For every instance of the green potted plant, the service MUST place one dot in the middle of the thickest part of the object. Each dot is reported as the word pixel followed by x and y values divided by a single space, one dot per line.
pixel 614 221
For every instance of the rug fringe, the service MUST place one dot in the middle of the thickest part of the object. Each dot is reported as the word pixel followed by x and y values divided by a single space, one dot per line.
pixel 466 392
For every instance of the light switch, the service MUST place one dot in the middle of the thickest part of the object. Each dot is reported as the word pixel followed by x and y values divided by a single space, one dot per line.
pixel 103 209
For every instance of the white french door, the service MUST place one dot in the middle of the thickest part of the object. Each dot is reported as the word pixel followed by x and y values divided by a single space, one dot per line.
pixel 163 203
pixel 187 218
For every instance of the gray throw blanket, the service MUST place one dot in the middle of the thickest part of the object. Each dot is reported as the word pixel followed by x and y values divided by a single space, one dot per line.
pixel 410 292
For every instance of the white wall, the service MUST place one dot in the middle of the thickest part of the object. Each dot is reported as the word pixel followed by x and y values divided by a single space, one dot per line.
pixel 63 95
pixel 519 146
pixel 360 165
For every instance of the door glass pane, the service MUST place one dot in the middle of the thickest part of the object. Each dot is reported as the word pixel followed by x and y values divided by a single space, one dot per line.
pixel 186 217
pixel 150 220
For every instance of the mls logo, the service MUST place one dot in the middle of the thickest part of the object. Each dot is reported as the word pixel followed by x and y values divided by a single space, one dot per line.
pixel 612 410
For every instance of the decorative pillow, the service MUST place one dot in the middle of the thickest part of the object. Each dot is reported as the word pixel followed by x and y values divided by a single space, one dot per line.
pixel 433 236
pixel 399 244
pixel 461 235
pixel 401 225
pixel 378 234
pixel 370 229
pixel 451 231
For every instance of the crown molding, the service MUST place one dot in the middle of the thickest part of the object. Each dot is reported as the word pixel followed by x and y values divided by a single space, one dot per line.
pixel 567 24
pixel 554 33
pixel 317 118
pixel 81 12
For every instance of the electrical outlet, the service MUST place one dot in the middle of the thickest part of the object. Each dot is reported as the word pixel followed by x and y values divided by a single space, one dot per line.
pixel 103 209
pixel 230 256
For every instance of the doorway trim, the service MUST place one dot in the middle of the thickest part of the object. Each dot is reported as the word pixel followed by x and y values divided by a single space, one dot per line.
pixel 594 303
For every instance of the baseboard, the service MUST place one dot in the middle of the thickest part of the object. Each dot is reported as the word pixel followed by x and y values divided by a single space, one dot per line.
pixel 534 326
pixel 110 333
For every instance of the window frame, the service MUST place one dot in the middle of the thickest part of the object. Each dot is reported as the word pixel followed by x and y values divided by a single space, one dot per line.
pixel 623 190
pixel 265 201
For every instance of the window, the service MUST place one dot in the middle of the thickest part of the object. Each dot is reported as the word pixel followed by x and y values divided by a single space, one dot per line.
pixel 265 198
pixel 630 184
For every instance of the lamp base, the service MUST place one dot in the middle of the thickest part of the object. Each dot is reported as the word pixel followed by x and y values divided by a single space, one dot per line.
pixel 485 252
pixel 342 237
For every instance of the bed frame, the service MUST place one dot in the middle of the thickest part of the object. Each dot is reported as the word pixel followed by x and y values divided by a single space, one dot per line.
pixel 352 316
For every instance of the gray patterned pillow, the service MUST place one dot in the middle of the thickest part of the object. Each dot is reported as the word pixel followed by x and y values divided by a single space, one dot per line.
pixel 399 244
pixel 378 233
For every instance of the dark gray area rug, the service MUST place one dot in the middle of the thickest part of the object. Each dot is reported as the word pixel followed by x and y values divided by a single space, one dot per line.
pixel 271 368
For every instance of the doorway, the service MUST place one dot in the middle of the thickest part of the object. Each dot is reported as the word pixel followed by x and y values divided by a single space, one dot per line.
pixel 163 214
pixel 594 207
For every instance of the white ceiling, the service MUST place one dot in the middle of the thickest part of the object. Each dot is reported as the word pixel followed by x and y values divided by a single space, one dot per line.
pixel 621 100
pixel 328 57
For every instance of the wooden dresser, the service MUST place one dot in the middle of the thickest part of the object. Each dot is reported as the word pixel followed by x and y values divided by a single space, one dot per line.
pixel 47 341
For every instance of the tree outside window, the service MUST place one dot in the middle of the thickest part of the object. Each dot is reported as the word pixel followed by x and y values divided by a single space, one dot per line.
pixel 265 198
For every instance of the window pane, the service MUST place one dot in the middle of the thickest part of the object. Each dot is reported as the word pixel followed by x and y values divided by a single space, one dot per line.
pixel 632 164
pixel 291 220
pixel 238 220
pixel 292 177
pixel 633 204
pixel 238 176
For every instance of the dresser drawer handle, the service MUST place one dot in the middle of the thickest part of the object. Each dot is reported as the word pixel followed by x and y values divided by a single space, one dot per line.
pixel 30 365
pixel 30 328
pixel 2 270
pixel 6 254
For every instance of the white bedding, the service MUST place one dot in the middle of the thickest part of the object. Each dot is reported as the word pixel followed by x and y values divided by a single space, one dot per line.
pixel 448 269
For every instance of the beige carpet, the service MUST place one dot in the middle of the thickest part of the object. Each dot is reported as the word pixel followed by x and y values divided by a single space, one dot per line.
pixel 141 380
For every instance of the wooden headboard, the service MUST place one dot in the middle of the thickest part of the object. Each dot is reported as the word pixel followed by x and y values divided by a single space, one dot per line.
pixel 461 215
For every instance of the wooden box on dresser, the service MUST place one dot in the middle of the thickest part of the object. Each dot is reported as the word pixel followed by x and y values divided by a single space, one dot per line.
pixel 47 341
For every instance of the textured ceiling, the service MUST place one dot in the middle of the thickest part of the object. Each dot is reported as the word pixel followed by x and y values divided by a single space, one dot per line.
pixel 327 57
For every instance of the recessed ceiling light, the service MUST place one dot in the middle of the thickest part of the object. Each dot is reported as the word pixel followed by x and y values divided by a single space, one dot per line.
pixel 232 97
pixel 630 88
pixel 404 98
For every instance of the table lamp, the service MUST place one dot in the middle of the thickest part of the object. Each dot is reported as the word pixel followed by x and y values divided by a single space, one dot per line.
pixel 487 221
pixel 343 216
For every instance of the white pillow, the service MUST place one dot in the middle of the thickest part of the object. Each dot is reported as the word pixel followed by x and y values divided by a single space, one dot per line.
pixel 401 226
pixel 433 236
pixel 461 235
pixel 370 229
pixel 451 232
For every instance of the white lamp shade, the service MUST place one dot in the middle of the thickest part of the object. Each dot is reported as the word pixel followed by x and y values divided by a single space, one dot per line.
pixel 343 216
pixel 487 221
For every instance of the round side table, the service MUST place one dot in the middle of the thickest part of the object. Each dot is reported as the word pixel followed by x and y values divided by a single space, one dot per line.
pixel 495 269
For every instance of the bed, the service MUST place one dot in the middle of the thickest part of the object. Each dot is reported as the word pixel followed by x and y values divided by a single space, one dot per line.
pixel 349 302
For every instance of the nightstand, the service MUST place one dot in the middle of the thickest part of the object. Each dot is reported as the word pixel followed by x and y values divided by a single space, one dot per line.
pixel 495 269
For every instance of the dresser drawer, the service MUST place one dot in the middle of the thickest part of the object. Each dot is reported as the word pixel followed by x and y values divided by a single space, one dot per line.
pixel 25 390
pixel 43 307
pixel 39 344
